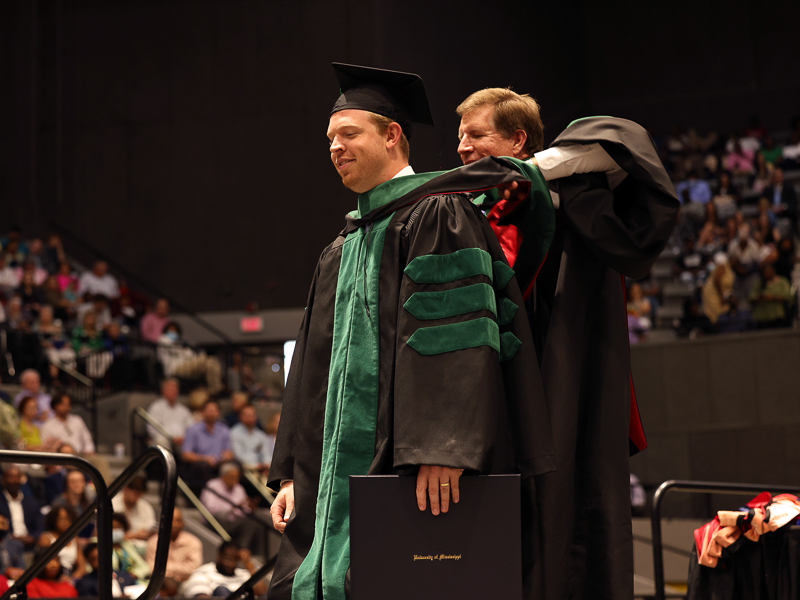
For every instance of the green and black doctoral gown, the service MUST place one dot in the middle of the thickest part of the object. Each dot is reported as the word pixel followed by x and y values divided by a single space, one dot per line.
pixel 579 324
pixel 415 349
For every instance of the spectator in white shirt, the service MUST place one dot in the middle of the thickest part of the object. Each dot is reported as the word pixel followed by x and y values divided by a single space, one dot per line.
pixel 174 417
pixel 139 512
pixel 99 281
pixel 222 577
pixel 66 427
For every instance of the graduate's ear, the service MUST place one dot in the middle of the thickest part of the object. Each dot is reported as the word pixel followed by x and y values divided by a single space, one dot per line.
pixel 519 138
pixel 394 134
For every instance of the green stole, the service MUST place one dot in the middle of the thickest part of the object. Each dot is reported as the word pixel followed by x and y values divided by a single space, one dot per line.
pixel 352 400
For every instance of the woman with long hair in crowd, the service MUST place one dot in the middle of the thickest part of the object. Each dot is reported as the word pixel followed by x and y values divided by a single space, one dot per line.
pixel 56 522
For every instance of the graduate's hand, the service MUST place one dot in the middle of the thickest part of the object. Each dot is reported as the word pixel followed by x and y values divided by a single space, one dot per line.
pixel 429 484
pixel 515 189
pixel 283 506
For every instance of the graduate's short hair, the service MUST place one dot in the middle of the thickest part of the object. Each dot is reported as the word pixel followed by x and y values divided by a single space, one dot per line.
pixel 512 111
pixel 382 123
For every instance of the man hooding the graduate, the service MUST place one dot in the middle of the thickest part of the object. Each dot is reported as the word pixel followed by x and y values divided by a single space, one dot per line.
pixel 414 356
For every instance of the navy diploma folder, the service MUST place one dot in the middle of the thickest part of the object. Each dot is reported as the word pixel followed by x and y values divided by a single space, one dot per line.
pixel 398 552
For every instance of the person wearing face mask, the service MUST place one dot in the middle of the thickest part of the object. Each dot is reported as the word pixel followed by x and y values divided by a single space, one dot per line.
pixel 179 360
pixel 224 576
pixel 124 558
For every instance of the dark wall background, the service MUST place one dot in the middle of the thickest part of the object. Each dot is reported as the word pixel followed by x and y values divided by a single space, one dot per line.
pixel 186 139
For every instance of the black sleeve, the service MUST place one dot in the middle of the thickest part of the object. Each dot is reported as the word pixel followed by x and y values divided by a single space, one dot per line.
pixel 454 334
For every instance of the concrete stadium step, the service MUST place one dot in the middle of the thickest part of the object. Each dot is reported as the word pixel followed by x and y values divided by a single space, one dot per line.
pixel 678 289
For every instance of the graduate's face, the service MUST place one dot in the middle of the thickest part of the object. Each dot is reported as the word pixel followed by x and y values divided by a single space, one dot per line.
pixel 358 150
pixel 478 137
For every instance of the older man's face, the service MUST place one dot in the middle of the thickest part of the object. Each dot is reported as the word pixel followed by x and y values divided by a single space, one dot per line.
pixel 478 137
pixel 31 382
pixel 358 150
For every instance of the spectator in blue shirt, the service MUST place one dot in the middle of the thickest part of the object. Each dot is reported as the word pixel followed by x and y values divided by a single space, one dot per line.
pixel 694 189
pixel 251 446
pixel 207 444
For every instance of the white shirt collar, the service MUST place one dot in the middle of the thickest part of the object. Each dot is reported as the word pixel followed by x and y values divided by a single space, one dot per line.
pixel 403 172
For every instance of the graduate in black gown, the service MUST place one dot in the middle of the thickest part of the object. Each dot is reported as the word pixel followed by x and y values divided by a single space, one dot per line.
pixel 415 355
pixel 615 210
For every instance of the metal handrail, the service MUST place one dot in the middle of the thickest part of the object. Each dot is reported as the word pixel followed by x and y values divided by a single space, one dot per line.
pixel 190 495
pixel 102 504
pixel 168 492
pixel 696 487
pixel 245 591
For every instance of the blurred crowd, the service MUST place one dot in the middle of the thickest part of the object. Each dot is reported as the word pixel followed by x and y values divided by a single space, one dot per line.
pixel 735 247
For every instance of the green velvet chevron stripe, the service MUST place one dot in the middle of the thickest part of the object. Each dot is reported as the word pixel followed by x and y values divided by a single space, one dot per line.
pixel 453 302
pixel 456 336
pixel 509 344
pixel 502 274
pixel 506 310
pixel 446 268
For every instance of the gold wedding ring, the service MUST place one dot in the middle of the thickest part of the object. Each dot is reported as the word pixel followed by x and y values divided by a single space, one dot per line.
pixel 444 484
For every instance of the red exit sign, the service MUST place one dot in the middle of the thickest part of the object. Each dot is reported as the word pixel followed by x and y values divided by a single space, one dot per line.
pixel 251 324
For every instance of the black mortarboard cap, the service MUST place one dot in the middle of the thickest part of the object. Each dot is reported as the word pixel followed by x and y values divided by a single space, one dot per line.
pixel 393 94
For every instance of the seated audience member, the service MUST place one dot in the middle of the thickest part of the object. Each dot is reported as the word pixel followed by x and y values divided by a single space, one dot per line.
pixel 88 337
pixel 224 576
pixel 698 189
pixel 640 306
pixel 710 235
pixel 56 481
pixel 153 323
pixel 30 433
pixel 787 257
pixel 251 446
pixel 139 512
pixel 745 258
pixel 772 153
pixel 207 444
pixel 117 345
pixel 99 281
pixel 66 278
pixel 10 278
pixel 720 304
pixel 77 496
pixel 179 360
pixel 12 559
pixel 66 427
pixel 770 297
pixel 125 558
pixel 197 401
pixel 691 265
pixel 783 198
pixel 273 422
pixel 88 585
pixel 10 434
pixel 98 304
pixel 739 160
pixel 57 521
pixel 31 295
pixel 55 344
pixel 791 153
pixel 21 509
pixel 238 401
pixel 225 498
pixel 173 416
pixel 169 588
pixel 185 551
pixel 50 583
pixel 32 386
pixel 62 307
